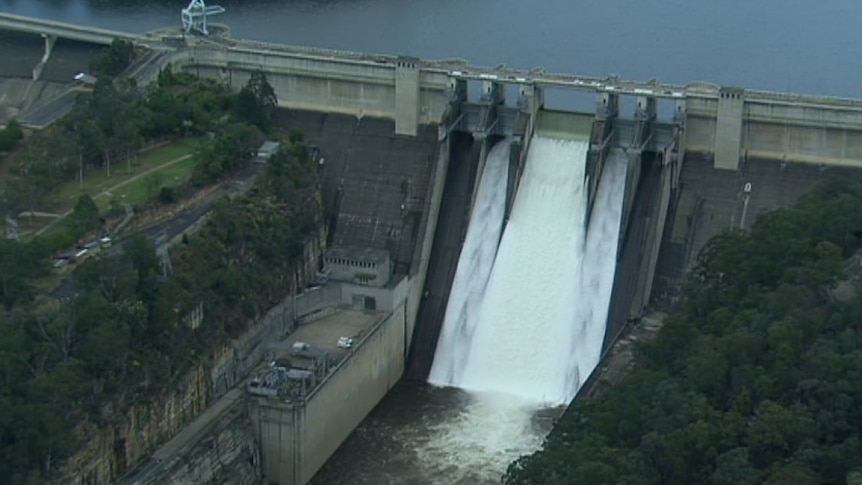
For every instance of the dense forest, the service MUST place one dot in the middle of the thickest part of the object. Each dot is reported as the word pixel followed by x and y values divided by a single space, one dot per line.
pixel 108 127
pixel 67 366
pixel 756 376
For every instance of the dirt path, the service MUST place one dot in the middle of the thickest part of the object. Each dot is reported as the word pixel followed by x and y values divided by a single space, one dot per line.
pixel 115 187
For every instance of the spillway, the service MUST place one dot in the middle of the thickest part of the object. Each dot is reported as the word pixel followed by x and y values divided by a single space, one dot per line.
pixel 474 268
pixel 525 341
pixel 526 318
pixel 456 432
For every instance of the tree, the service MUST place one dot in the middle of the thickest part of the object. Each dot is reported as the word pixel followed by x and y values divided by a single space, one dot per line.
pixel 749 380
pixel 142 254
pixel 734 468
pixel 86 213
pixel 166 195
pixel 115 59
pixel 10 136
pixel 256 102
pixel 152 182
pixel 21 265
pixel 44 161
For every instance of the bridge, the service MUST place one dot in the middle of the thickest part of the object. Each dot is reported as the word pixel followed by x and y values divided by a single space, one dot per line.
pixel 731 124
pixel 63 30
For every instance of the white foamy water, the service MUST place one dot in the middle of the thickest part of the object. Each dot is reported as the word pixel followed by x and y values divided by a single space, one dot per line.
pixel 474 268
pixel 597 271
pixel 476 446
pixel 524 340
pixel 524 331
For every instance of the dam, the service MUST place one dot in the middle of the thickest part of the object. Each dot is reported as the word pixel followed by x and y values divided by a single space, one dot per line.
pixel 685 177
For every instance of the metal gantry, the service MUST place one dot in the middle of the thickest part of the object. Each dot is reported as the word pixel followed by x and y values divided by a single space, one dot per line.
pixel 195 16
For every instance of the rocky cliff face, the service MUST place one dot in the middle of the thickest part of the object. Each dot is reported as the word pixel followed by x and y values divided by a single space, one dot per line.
pixel 227 455
pixel 141 428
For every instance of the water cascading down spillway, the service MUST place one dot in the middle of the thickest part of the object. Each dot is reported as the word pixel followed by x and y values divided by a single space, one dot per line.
pixel 526 318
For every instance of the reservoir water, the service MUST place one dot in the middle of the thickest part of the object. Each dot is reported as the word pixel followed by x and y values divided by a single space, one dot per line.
pixel 785 45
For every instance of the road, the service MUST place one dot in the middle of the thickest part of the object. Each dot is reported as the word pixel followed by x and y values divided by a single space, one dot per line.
pixel 107 191
pixel 168 229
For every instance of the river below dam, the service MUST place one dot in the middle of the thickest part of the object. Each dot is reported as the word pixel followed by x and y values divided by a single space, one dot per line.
pixel 426 435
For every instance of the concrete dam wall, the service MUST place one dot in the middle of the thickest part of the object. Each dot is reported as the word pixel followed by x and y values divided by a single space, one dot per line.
pixel 402 91
pixel 391 186
pixel 450 230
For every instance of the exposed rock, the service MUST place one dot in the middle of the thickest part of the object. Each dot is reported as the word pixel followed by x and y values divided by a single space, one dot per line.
pixel 133 436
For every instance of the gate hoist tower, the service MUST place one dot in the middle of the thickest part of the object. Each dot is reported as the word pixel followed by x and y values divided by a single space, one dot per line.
pixel 195 16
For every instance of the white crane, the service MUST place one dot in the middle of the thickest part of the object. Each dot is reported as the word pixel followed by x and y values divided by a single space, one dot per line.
pixel 195 16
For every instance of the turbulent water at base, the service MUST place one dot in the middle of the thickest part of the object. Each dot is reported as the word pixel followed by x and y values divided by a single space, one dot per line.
pixel 474 268
pixel 524 329
pixel 450 436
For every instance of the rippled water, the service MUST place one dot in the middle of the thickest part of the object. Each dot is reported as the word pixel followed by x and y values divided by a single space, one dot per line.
pixel 792 45
pixel 416 437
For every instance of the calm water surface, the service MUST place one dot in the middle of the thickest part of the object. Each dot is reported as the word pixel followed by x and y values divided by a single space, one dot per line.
pixel 794 45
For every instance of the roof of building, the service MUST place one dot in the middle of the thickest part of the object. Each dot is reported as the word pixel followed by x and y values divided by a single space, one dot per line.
pixel 85 78
pixel 357 253
pixel 269 147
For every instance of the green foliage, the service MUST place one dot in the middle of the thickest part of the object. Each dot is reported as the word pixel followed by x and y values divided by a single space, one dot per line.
pixel 40 164
pixel 86 213
pixel 180 103
pixel 256 102
pixel 124 338
pixel 108 126
pixel 152 182
pixel 754 378
pixel 21 264
pixel 226 153
pixel 10 136
pixel 166 195
pixel 113 60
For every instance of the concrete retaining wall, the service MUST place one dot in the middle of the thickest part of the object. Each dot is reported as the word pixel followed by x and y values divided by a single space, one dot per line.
pixel 806 133
pixel 361 88
pixel 227 455
pixel 422 256
pixel 223 450
pixel 338 293
pixel 297 438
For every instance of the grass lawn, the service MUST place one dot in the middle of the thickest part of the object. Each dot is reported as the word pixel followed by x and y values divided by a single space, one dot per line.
pixel 98 181
pixel 148 186
pixel 147 177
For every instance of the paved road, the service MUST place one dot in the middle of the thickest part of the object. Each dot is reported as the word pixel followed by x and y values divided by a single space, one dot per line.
pixel 170 228
pixel 115 187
